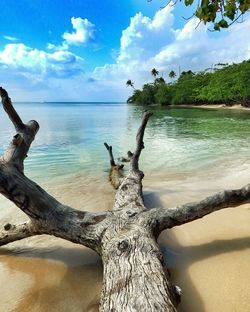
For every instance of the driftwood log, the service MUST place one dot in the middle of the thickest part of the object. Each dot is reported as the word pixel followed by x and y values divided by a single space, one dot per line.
pixel 116 171
pixel 135 277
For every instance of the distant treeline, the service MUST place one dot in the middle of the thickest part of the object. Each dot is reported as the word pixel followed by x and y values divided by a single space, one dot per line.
pixel 223 84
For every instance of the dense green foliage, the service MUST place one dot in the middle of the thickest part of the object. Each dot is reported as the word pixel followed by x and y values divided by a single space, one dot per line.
pixel 227 85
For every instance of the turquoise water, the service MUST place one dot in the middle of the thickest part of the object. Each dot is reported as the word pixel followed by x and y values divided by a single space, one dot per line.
pixel 182 142
pixel 71 137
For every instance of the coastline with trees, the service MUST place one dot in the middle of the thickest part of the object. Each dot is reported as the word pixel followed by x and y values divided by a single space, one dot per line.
pixel 154 243
pixel 223 84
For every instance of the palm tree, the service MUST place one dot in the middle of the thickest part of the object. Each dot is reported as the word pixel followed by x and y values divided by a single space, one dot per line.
pixel 172 74
pixel 154 72
pixel 130 83
pixel 159 80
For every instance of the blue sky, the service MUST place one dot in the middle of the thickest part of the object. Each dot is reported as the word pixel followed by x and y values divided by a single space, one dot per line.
pixel 75 50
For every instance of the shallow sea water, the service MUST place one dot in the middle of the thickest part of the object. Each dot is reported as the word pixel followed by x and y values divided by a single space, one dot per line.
pixel 189 154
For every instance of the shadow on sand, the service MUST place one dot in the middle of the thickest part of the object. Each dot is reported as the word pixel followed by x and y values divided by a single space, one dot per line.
pixel 70 278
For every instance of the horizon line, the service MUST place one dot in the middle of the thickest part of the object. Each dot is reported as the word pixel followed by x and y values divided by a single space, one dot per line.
pixel 66 102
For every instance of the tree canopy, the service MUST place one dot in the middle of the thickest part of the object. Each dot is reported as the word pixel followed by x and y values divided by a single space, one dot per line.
pixel 227 84
pixel 221 13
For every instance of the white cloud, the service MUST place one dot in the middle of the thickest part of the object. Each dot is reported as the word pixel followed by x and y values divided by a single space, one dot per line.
pixel 47 73
pixel 10 38
pixel 144 36
pixel 198 48
pixel 40 64
pixel 147 43
pixel 84 32
pixel 144 44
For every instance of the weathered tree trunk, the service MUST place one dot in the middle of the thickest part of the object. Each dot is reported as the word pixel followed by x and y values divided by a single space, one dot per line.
pixel 135 277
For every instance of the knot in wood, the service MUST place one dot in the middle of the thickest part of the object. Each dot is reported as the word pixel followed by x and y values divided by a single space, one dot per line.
pixel 131 214
pixel 17 139
pixel 7 227
pixel 123 245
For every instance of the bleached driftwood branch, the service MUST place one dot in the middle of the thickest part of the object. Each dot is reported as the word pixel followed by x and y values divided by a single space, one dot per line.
pixel 134 277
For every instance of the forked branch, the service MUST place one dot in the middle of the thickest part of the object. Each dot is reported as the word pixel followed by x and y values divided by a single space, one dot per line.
pixel 123 237
pixel 130 191
pixel 47 215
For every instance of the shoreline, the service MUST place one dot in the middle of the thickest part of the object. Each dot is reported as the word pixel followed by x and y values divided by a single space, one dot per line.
pixel 206 106
pixel 199 254
pixel 214 106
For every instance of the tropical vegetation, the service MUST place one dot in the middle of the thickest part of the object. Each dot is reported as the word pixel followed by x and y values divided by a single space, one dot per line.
pixel 222 84
pixel 219 13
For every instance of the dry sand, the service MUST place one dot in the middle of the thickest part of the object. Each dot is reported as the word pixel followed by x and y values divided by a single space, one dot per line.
pixel 209 259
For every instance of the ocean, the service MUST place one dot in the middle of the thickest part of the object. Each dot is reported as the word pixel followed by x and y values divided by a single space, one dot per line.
pixel 189 154
pixel 71 137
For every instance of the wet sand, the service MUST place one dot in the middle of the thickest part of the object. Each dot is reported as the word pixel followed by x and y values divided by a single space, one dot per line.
pixel 208 258
pixel 220 106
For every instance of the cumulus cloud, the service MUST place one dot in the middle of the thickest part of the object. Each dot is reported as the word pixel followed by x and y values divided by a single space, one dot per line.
pixel 155 42
pixel 38 63
pixel 198 48
pixel 144 36
pixel 145 43
pixel 84 32
pixel 47 73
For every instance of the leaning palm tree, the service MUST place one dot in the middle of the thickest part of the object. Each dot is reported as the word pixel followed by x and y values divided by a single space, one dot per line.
pixel 172 74
pixel 154 72
pixel 130 83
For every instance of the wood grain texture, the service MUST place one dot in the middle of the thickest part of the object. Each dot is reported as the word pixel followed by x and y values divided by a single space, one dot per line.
pixel 135 277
